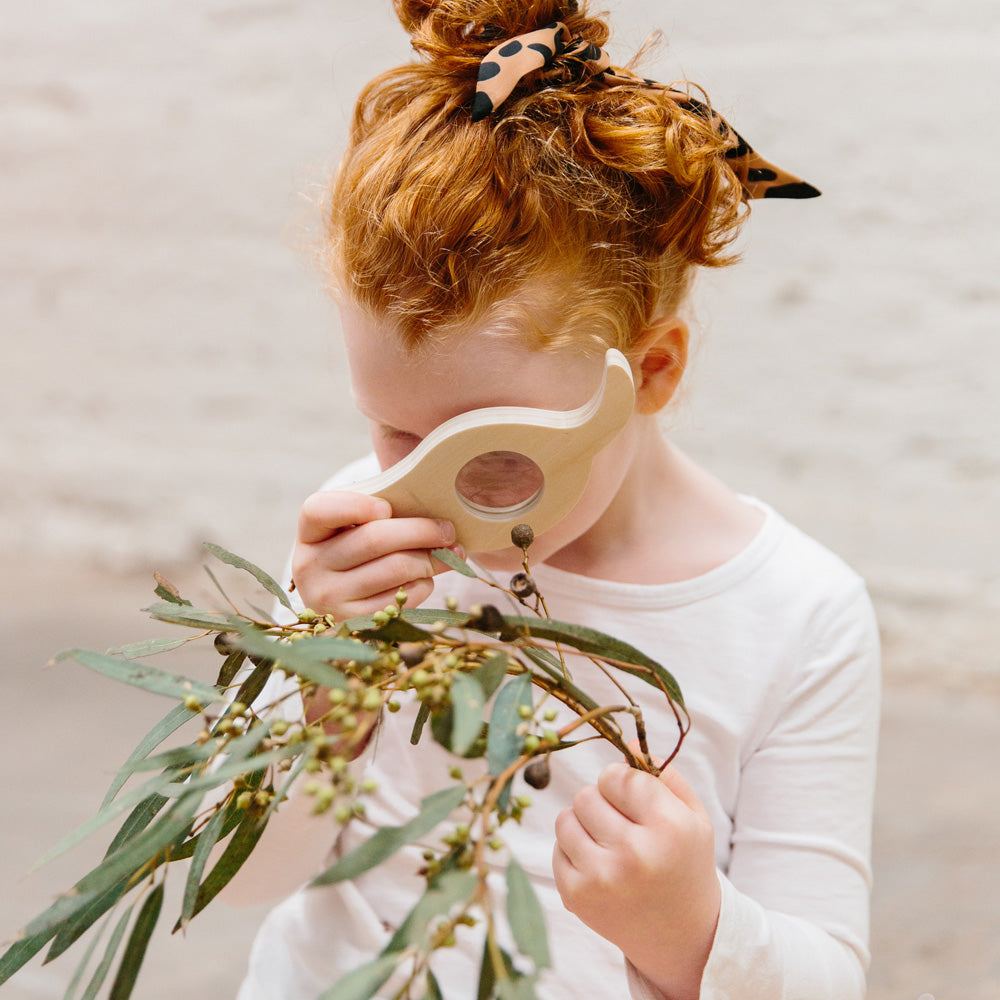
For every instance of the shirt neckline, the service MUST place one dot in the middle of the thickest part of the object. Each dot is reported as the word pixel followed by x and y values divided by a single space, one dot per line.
pixel 612 593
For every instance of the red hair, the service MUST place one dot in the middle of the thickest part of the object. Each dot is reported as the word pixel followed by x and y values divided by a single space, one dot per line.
pixel 574 213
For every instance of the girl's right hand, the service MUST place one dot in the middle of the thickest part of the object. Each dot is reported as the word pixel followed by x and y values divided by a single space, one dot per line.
pixel 352 556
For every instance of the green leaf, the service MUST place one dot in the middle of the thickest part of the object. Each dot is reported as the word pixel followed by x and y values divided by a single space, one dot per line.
pixel 254 684
pixel 518 988
pixel 395 630
pixel 140 817
pixel 230 668
pixel 433 988
pixel 84 962
pixel 544 662
pixel 423 714
pixel 365 981
pixel 264 579
pixel 467 705
pixel 167 591
pixel 192 617
pixel 237 851
pixel 141 849
pixel 503 744
pixel 487 973
pixel 72 930
pixel 309 657
pixel 138 942
pixel 490 674
pixel 448 889
pixel 454 562
pixel 168 725
pixel 101 972
pixel 206 841
pixel 385 842
pixel 148 647
pixel 144 676
pixel 524 914
pixel 22 951
pixel 590 641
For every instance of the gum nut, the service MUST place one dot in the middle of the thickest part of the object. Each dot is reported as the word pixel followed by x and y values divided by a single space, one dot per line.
pixel 522 585
pixel 411 653
pixel 522 535
pixel 537 773
pixel 224 643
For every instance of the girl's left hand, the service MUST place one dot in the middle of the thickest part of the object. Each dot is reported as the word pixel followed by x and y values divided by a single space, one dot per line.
pixel 634 860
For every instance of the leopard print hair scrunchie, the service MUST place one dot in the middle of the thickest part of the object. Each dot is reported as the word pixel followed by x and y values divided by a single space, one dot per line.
pixel 506 64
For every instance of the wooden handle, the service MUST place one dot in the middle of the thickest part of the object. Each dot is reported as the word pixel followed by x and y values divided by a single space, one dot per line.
pixel 561 443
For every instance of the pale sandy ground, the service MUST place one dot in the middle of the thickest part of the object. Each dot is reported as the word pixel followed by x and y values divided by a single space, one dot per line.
pixel 169 373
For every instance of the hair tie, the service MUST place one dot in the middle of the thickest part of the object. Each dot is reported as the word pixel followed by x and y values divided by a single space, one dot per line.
pixel 506 64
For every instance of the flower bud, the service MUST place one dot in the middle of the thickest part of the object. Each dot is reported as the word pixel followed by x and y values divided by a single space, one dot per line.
pixel 522 535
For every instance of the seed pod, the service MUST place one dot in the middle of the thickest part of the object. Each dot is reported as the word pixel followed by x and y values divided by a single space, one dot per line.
pixel 411 653
pixel 522 535
pixel 537 773
pixel 225 643
pixel 522 585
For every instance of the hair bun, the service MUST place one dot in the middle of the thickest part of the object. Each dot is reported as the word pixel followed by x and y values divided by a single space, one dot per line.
pixel 445 30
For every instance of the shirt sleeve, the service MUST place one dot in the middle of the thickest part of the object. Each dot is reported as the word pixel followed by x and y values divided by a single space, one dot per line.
pixel 793 924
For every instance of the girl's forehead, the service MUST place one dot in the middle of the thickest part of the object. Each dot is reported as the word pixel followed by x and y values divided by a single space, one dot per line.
pixel 416 389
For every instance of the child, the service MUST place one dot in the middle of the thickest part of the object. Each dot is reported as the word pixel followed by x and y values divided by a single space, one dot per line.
pixel 487 247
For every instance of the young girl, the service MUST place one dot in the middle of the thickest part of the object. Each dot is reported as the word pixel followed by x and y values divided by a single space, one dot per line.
pixel 509 207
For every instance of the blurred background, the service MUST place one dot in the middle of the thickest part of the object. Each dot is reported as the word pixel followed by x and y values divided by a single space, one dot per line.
pixel 170 373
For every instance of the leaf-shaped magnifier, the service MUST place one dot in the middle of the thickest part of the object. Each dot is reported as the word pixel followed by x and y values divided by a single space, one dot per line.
pixel 489 469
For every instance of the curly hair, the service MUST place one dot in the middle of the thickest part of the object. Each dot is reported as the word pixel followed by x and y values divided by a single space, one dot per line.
pixel 576 213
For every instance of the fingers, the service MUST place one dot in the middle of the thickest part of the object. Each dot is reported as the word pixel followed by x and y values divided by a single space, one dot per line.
pixel 324 514
pixel 643 798
pixel 352 556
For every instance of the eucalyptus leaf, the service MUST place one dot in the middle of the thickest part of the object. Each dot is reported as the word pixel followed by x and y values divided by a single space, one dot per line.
pixel 309 657
pixel 72 930
pixel 467 708
pixel 264 579
pixel 434 809
pixel 503 745
pixel 102 970
pixel 251 688
pixel 365 981
pixel 423 714
pixel 535 654
pixel 138 942
pixel 144 676
pixel 524 914
pixel 207 839
pixel 192 617
pixel 148 647
pixel 230 668
pixel 490 673
pixel 23 950
pixel 447 890
pixel 81 968
pixel 517 988
pixel 237 851
pixel 487 973
pixel 167 591
pixel 592 642
pixel 168 725
pixel 453 561
pixel 433 987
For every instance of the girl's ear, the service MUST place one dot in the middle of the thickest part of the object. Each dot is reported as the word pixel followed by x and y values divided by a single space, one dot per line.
pixel 658 362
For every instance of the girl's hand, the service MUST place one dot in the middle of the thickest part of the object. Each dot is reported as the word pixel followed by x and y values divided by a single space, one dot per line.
pixel 352 556
pixel 634 860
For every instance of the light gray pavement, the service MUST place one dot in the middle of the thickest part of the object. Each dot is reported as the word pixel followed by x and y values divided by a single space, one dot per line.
pixel 937 839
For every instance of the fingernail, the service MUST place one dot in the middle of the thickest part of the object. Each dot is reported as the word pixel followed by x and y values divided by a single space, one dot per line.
pixel 383 508
pixel 447 531
pixel 458 550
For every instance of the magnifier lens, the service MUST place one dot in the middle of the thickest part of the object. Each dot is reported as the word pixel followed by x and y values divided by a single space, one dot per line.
pixel 499 481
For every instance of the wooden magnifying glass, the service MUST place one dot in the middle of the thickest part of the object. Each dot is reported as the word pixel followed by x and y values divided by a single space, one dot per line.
pixel 489 469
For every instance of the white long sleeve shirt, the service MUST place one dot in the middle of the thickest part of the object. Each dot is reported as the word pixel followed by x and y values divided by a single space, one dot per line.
pixel 777 654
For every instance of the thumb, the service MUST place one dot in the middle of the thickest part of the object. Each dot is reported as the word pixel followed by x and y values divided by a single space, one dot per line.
pixel 673 779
